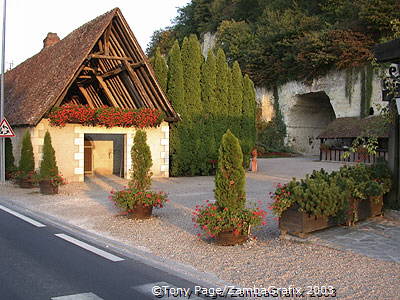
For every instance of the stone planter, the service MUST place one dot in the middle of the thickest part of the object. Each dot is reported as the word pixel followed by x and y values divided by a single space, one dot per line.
pixel 140 211
pixel 46 188
pixel 25 184
pixel 228 238
pixel 299 223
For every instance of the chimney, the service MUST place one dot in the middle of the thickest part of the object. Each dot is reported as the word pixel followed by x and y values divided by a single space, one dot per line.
pixel 51 39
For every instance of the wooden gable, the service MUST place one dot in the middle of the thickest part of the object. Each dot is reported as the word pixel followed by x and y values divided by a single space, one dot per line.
pixel 117 73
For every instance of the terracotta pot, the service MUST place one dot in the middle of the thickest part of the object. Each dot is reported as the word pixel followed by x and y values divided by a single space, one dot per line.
pixel 228 238
pixel 46 188
pixel 140 211
pixel 25 184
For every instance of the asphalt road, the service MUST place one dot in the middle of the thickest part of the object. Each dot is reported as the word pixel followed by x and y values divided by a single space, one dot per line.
pixel 42 263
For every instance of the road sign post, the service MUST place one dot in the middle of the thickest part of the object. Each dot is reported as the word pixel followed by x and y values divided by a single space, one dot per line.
pixel 2 139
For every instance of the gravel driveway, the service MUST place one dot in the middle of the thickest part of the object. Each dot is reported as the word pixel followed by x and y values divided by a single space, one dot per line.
pixel 264 262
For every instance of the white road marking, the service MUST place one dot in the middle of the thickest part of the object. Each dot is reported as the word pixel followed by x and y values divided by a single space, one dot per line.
pixel 22 217
pixel 159 288
pixel 88 247
pixel 84 296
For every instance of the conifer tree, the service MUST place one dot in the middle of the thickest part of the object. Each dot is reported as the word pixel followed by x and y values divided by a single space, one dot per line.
pixel 236 101
pixel 230 179
pixel 141 162
pixel 48 165
pixel 194 152
pixel 249 111
pixel 176 92
pixel 9 156
pixel 27 160
pixel 221 93
pixel 192 60
pixel 161 69
pixel 175 89
pixel 248 119
pixel 210 104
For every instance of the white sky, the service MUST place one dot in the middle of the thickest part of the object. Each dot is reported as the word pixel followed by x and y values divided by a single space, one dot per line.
pixel 29 21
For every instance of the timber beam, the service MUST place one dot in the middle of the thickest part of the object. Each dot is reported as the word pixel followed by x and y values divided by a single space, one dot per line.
pixel 120 69
pixel 110 57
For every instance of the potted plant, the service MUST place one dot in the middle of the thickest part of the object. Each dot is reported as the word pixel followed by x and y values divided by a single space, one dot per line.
pixel 137 200
pixel 310 204
pixel 49 179
pixel 25 176
pixel 9 159
pixel 228 220
pixel 324 199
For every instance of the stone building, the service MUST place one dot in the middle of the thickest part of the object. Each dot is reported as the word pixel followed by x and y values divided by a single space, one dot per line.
pixel 308 107
pixel 98 64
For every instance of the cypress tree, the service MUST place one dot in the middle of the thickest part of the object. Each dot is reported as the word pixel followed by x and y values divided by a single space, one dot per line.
pixel 236 101
pixel 175 89
pixel 230 179
pixel 175 92
pixel 192 59
pixel 141 162
pixel 249 117
pixel 221 93
pixel 27 160
pixel 210 104
pixel 161 69
pixel 48 165
pixel 9 156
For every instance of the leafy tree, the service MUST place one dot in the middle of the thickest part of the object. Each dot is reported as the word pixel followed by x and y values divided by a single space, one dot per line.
pixel 161 69
pixel 230 179
pixel 163 39
pixel 236 39
pixel 48 165
pixel 27 160
pixel 9 156
pixel 141 162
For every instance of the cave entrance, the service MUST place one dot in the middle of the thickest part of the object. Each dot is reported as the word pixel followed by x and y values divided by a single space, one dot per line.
pixel 308 117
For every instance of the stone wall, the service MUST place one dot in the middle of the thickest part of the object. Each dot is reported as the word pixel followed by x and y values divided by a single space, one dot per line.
pixel 306 111
pixel 68 143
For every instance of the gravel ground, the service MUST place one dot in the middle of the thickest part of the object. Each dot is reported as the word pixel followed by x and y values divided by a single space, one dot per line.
pixel 263 261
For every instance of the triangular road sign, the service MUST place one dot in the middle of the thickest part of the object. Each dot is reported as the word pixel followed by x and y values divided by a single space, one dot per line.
pixel 5 129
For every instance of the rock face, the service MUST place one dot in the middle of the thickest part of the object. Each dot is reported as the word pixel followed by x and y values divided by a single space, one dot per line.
pixel 208 42
pixel 308 108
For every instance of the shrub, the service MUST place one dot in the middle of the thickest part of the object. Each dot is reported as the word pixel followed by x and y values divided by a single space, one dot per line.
pixel 48 170
pixel 27 160
pixel 128 198
pixel 230 179
pixel 228 213
pixel 141 163
pixel 10 165
pixel 330 194
pixel 213 220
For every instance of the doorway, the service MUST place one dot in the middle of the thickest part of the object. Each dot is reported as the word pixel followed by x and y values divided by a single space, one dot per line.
pixel 104 154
